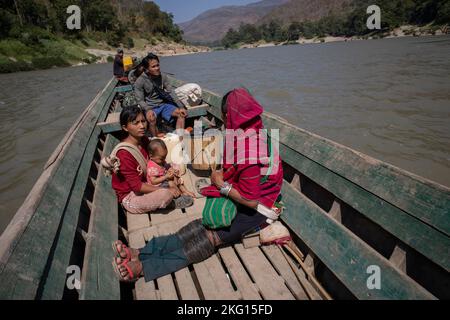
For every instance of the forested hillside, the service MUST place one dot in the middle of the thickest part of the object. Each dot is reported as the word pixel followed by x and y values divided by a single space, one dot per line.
pixel 311 18
pixel 34 35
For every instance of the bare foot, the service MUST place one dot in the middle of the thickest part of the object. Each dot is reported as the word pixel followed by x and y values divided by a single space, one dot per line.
pixel 134 266
pixel 186 192
pixel 191 194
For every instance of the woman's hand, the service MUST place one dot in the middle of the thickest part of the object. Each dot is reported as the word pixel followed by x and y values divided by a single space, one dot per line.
pixel 217 178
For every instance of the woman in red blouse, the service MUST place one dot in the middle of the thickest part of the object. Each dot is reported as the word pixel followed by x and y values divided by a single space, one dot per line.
pixel 129 183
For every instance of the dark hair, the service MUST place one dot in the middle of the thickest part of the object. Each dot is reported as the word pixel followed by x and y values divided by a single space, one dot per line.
pixel 155 144
pixel 152 56
pixel 146 61
pixel 138 70
pixel 224 102
pixel 129 114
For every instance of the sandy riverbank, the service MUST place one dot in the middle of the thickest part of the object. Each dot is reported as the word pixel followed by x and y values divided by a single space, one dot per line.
pixel 162 49
pixel 403 31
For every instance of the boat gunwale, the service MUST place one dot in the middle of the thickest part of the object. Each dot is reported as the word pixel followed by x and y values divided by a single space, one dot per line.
pixel 13 233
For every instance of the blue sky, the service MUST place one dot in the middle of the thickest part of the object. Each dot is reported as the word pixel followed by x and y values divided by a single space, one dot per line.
pixel 188 9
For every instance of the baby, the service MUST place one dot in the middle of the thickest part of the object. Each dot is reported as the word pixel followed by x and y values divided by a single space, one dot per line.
pixel 159 172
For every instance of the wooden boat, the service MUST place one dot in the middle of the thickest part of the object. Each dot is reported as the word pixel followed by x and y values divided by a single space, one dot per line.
pixel 354 220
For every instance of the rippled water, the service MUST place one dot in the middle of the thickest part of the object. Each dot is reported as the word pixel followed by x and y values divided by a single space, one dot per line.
pixel 36 110
pixel 388 98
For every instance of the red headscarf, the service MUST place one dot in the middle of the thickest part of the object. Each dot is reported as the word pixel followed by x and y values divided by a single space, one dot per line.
pixel 245 146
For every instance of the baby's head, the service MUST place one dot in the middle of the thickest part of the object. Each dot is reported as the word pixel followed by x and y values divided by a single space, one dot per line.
pixel 158 151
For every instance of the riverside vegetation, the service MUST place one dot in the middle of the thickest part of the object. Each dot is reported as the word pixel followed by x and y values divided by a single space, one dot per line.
pixel 423 17
pixel 33 33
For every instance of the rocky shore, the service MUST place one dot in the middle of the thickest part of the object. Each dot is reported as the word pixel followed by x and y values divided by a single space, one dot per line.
pixel 403 31
pixel 162 49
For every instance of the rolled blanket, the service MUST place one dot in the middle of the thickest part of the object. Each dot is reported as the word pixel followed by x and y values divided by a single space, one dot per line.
pixel 111 164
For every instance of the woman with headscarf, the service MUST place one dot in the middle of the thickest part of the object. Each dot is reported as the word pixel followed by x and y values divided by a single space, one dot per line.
pixel 252 183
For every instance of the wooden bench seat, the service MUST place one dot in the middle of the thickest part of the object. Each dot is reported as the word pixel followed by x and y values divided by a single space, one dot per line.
pixel 112 123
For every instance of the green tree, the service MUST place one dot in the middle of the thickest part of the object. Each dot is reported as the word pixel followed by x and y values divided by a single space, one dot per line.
pixel 231 38
pixel 7 20
pixel 161 23
pixel 249 33
pixel 294 30
pixel 59 15
pixel 100 15
pixel 443 13
pixel 274 32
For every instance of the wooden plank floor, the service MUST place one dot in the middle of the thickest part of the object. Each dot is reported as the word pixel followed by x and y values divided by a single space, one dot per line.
pixel 234 272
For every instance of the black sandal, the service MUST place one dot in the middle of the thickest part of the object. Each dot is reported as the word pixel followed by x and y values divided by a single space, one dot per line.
pixel 183 201
pixel 200 184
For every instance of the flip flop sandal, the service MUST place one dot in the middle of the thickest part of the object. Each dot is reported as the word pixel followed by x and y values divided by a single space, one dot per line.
pixel 124 247
pixel 124 263
pixel 275 233
pixel 200 184
pixel 183 201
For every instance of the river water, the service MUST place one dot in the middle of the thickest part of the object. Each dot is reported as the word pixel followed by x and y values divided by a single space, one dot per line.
pixel 387 98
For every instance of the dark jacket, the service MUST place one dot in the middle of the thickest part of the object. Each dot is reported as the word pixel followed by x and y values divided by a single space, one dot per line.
pixel 118 66
pixel 148 97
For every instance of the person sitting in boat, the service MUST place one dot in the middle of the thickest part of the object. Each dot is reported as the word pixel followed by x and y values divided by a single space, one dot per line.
pixel 128 165
pixel 162 174
pixel 156 96
pixel 135 73
pixel 247 184
pixel 118 68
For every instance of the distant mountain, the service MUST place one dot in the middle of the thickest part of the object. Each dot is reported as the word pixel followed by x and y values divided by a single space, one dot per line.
pixel 303 10
pixel 212 25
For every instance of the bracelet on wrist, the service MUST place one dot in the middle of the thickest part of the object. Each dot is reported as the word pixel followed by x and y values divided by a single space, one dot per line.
pixel 226 188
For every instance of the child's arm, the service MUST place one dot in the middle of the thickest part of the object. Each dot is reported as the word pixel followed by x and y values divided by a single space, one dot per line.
pixel 158 180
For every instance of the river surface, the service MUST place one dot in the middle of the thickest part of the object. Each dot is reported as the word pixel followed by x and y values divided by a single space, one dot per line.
pixel 387 98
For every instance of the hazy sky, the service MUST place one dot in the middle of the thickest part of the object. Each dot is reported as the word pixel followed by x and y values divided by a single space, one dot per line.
pixel 185 10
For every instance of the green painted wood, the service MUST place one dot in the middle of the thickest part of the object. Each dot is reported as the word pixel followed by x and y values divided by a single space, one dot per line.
pixel 343 253
pixel 430 242
pixel 22 274
pixel 420 198
pixel 110 127
pixel 105 111
pixel 215 103
pixel 196 112
pixel 53 287
pixel 99 280
pixel 124 88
